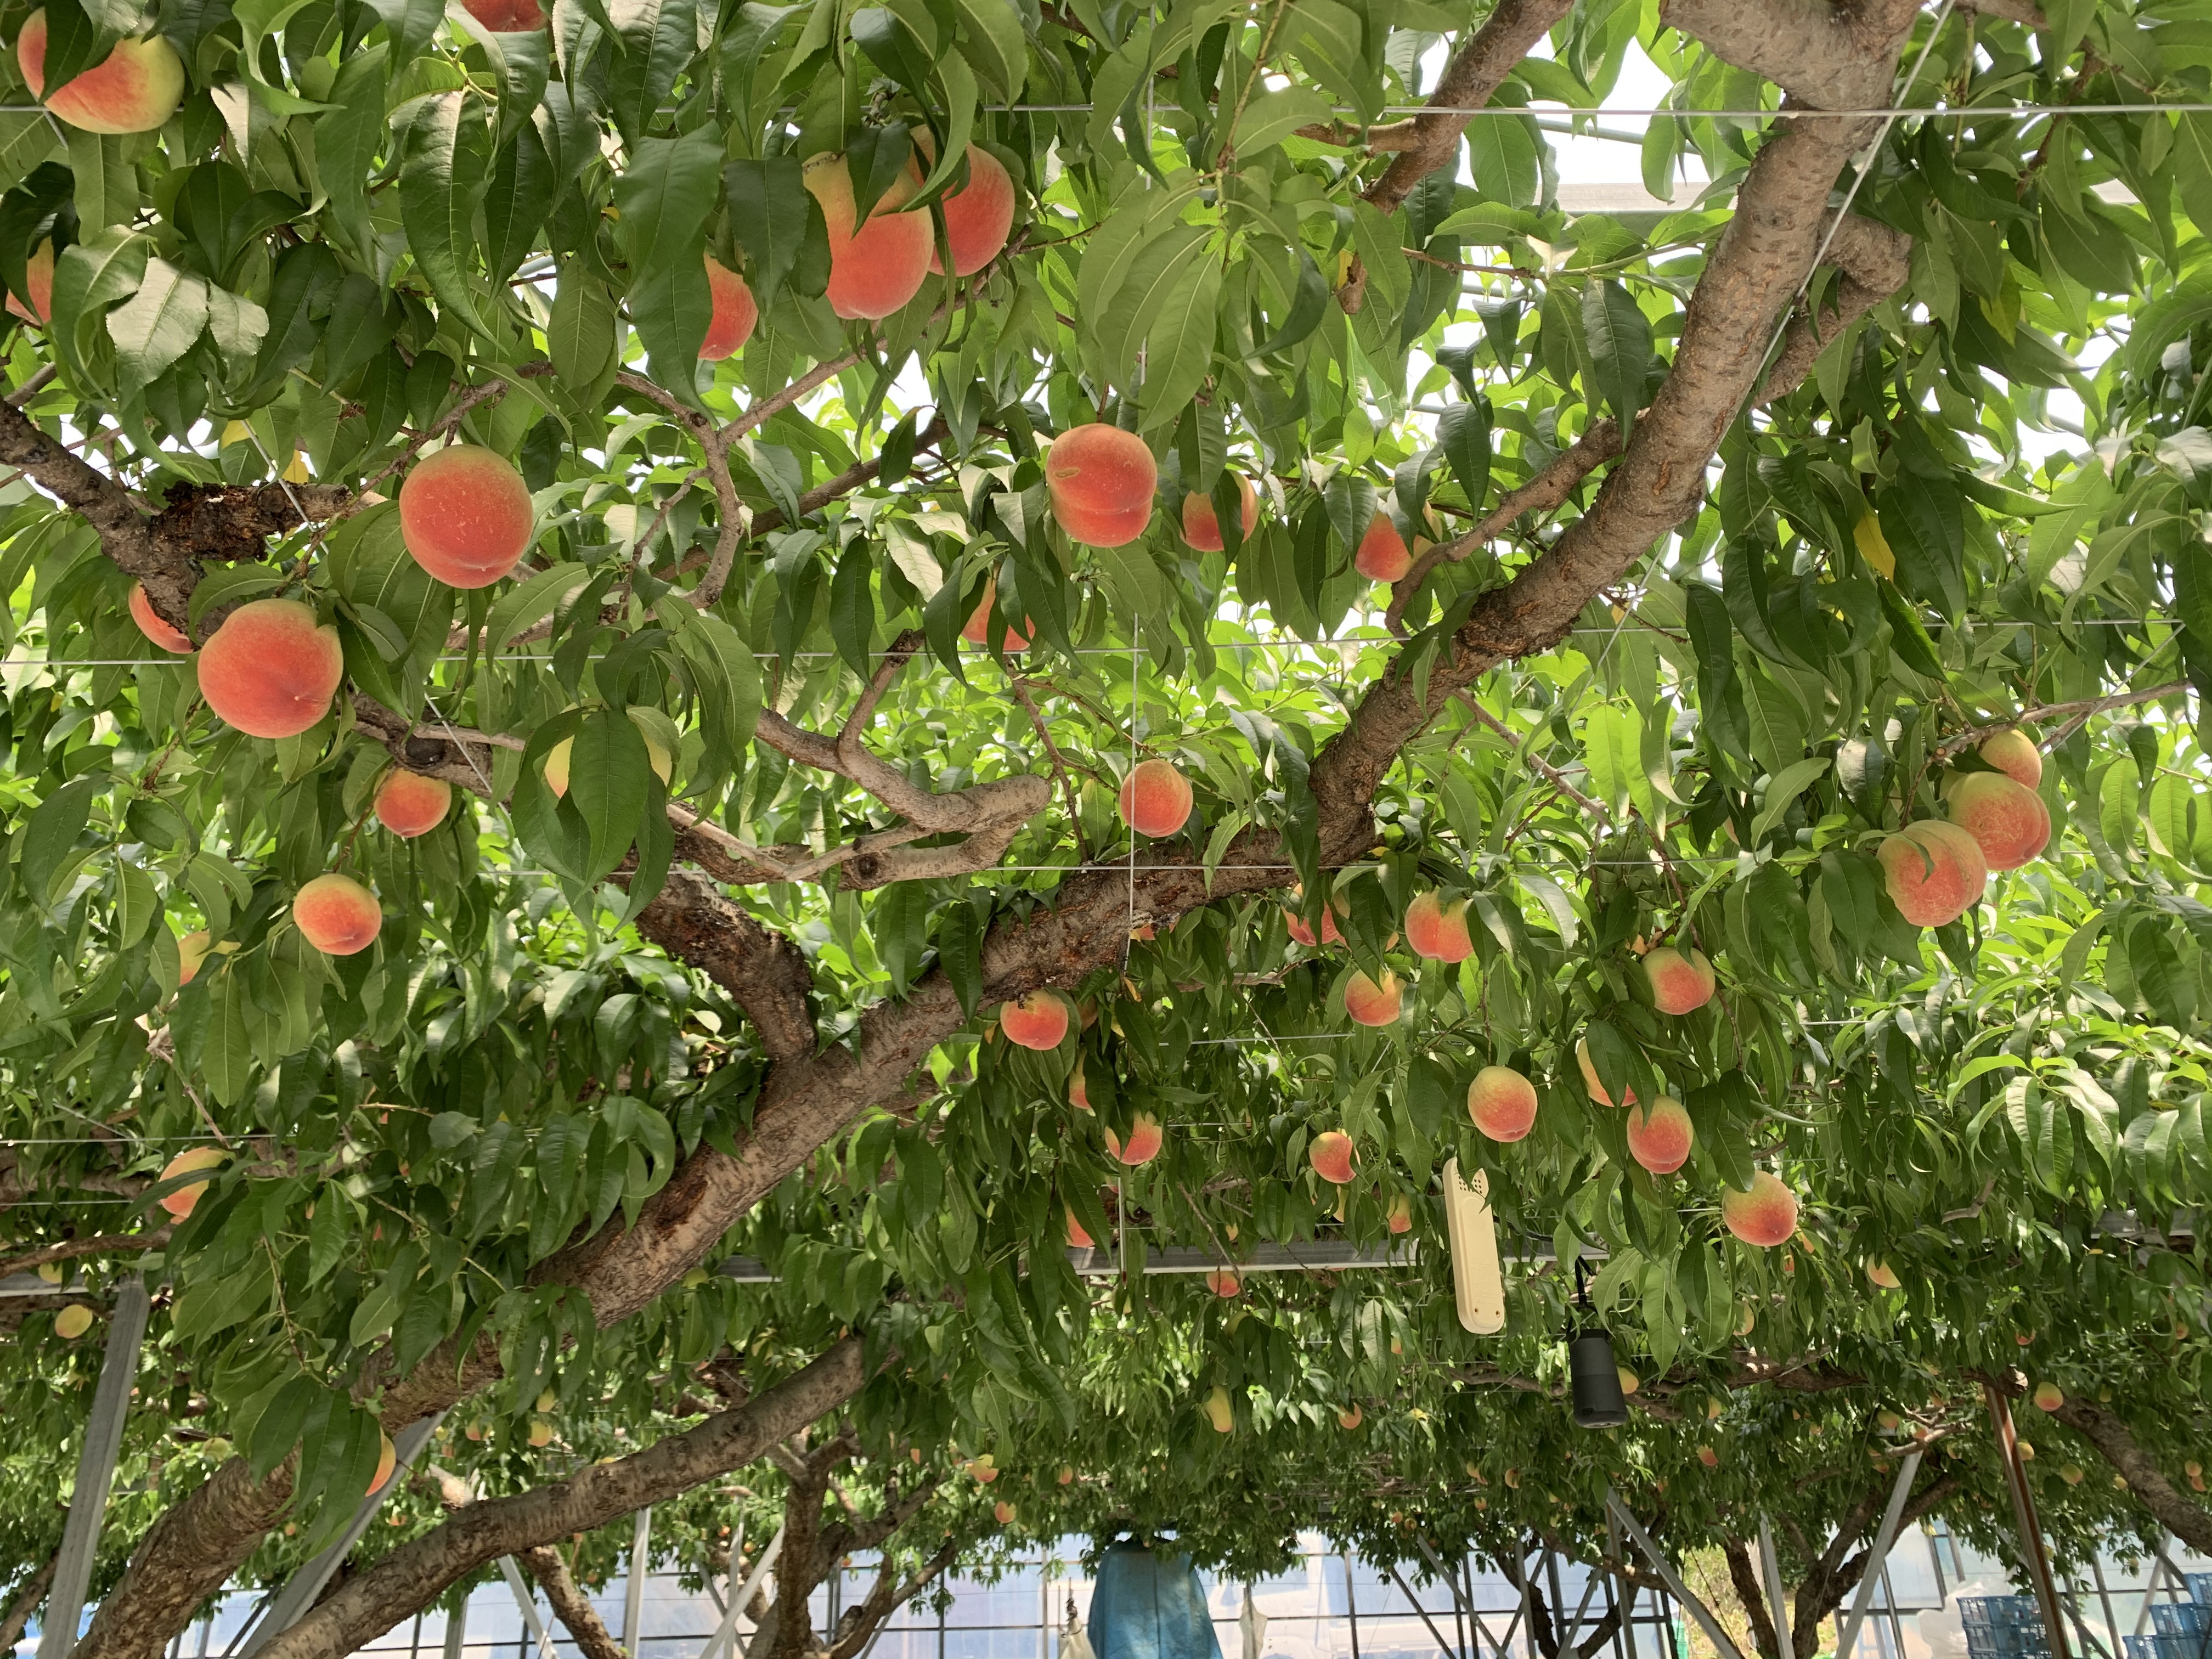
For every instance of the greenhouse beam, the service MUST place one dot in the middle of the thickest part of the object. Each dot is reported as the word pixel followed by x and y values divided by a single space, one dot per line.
pixel 95 1471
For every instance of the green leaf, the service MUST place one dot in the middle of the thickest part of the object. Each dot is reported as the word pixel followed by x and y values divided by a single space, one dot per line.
pixel 50 834
pixel 1620 342
pixel 1783 790
pixel 770 208
pixel 445 170
pixel 158 324
pixel 608 773
pixel 1275 116
pixel 663 199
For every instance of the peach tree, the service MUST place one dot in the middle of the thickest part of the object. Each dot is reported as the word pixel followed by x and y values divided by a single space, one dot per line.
pixel 903 633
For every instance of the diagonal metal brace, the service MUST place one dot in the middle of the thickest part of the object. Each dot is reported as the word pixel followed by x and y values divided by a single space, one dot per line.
pixel 1847 1638
pixel 1715 1632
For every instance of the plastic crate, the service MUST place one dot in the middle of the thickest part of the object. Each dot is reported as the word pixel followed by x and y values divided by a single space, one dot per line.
pixel 2142 1647
pixel 2183 1645
pixel 2200 1587
pixel 2180 1617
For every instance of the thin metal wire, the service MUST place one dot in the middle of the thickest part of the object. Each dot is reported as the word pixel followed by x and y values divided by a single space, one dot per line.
pixel 1940 112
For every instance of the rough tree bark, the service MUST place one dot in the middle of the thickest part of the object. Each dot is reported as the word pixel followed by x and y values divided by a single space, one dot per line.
pixel 25 1602
pixel 412 1576
pixel 2182 1515
pixel 570 1605
pixel 785 1628
pixel 1751 281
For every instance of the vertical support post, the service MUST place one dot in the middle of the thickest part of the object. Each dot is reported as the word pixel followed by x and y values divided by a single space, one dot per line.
pixel 1847 1634
pixel 640 1535
pixel 1351 1606
pixel 457 1629
pixel 1770 1564
pixel 2031 1529
pixel 95 1470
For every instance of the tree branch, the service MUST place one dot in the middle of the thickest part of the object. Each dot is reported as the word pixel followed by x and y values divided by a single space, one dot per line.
pixel 1744 1577
pixel 570 1605
pixel 1513 27
pixel 74 1248
pixel 28 1595
pixel 765 974
pixel 373 1601
pixel 1875 261
pixel 857 1625
pixel 2182 1516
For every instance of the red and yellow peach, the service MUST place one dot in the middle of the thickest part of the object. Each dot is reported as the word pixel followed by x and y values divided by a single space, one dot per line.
pixel 180 1203
pixel 1437 931
pixel 336 914
pixel 1036 1019
pixel 272 669
pixel 1934 871
pixel 1146 1139
pixel 735 313
pixel 1201 525
pixel 466 515
pixel 1660 1140
pixel 1765 1215
pixel 1331 1155
pixel 410 805
pixel 978 216
pixel 1502 1103
pixel 1590 1079
pixel 37 303
pixel 876 264
pixel 1369 1003
pixel 977 630
pixel 1681 981
pixel 135 88
pixel 2014 753
pixel 1156 798
pixel 1381 557
pixel 1100 480
pixel 153 625
pixel 2007 819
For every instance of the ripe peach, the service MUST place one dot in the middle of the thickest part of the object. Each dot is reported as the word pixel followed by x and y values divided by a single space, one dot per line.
pixel 541 1432
pixel 1682 983
pixel 153 625
pixel 735 313
pixel 1066 1475
pixel 977 628
pixel 1369 1004
pixel 1102 481
pixel 2015 752
pixel 336 914
pixel 877 265
pixel 387 1459
pixel 1660 1140
pixel 1003 1512
pixel 1381 557
pixel 1156 798
pixel 1079 1236
pixel 135 88
pixel 2007 819
pixel 1590 1076
pixel 978 216
pixel 1201 526
pixel 506 16
pixel 1709 1457
pixel 1146 1138
pixel 1038 1019
pixel 270 670
pixel 1766 1215
pixel 1219 1413
pixel 1079 1095
pixel 1502 1102
pixel 2049 1396
pixel 556 763
pixel 465 516
pixel 1882 1274
pixel 410 805
pixel 1399 1218
pixel 37 303
pixel 180 1203
pixel 1351 1417
pixel 1302 931
pixel 1331 1155
pixel 1438 930
pixel 1223 1283
pixel 1630 1381
pixel 192 951
pixel 72 1321
pixel 1934 871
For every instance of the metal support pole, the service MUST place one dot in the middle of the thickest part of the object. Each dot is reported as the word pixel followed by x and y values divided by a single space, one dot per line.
pixel 457 1629
pixel 1442 1646
pixel 302 1591
pixel 640 1535
pixel 1715 1631
pixel 1770 1564
pixel 2031 1529
pixel 528 1603
pixel 95 1470
pixel 1847 1637
pixel 724 1636
pixel 1351 1606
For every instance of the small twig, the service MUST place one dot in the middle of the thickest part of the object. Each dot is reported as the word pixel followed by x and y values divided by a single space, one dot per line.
pixel 70 1249
pixel 1059 766
pixel 1552 773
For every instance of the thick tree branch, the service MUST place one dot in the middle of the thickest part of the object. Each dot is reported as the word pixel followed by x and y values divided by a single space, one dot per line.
pixel 857 1625
pixel 1477 70
pixel 1829 56
pixel 2182 1516
pixel 1743 1577
pixel 570 1605
pixel 765 974
pixel 1876 262
pixel 411 1576
pixel 28 1595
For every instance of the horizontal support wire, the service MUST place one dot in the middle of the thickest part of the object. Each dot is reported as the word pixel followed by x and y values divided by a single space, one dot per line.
pixel 1945 112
